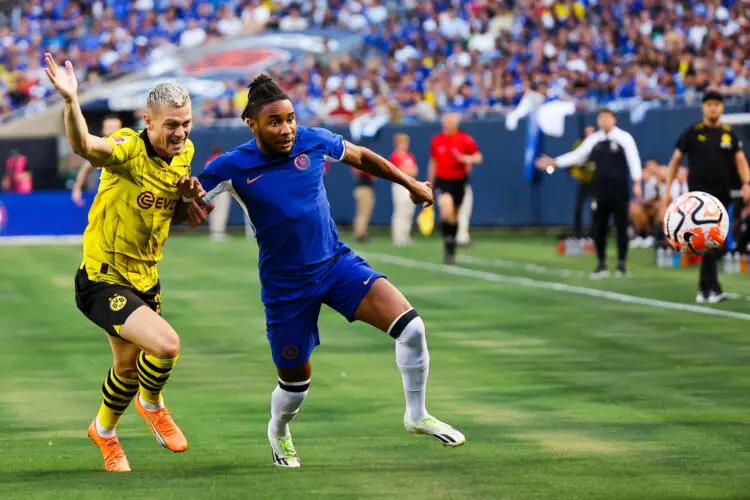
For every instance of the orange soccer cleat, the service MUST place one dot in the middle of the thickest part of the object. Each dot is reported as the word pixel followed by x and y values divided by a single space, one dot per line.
pixel 163 427
pixel 114 456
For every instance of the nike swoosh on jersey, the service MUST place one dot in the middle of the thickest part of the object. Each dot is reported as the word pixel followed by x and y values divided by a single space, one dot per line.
pixel 367 281
pixel 250 181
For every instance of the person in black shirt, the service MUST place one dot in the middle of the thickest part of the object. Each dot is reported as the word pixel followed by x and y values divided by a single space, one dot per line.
pixel 714 150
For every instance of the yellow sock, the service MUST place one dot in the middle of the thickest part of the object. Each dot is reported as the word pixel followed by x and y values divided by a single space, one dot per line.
pixel 117 392
pixel 153 374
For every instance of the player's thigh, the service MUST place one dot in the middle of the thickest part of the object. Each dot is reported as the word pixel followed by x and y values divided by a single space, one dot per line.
pixel 348 284
pixel 446 207
pixel 292 331
pixel 124 355
pixel 149 331
pixel 382 305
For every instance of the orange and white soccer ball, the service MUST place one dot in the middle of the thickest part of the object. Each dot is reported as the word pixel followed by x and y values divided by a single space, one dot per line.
pixel 696 223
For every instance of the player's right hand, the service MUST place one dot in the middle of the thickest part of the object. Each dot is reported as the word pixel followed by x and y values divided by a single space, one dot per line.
pixel 198 214
pixel 65 83
pixel 422 193
pixel 544 161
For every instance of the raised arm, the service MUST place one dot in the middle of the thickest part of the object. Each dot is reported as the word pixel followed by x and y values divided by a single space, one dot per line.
pixel 93 148
pixel 368 161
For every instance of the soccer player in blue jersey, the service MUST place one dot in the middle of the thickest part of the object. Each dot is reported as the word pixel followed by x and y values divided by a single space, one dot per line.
pixel 278 178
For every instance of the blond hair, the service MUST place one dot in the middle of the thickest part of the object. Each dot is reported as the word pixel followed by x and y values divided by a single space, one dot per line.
pixel 167 94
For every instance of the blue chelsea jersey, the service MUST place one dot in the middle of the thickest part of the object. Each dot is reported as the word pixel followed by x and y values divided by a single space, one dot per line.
pixel 285 199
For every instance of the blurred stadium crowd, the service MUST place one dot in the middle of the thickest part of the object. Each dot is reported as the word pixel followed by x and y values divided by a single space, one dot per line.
pixel 419 58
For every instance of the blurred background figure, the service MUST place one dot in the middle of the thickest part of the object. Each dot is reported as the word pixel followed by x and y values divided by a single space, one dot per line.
pixel 463 238
pixel 364 198
pixel 88 175
pixel 16 178
pixel 647 213
pixel 584 176
pixel 403 208
pixel 453 154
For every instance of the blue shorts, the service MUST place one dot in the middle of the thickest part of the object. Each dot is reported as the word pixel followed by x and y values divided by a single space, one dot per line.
pixel 292 325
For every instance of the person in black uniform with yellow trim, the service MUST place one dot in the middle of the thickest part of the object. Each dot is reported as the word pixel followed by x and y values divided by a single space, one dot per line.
pixel 714 150
pixel 584 175
pixel 145 186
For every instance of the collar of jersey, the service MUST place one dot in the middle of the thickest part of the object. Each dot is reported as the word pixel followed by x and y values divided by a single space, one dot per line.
pixel 150 151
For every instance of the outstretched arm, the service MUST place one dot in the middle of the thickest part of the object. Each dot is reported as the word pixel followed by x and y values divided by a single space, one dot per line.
pixel 369 161
pixel 93 148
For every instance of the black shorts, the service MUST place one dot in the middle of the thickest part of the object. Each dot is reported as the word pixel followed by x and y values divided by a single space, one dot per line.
pixel 454 187
pixel 108 305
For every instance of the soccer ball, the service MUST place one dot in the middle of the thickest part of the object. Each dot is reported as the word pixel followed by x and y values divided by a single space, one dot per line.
pixel 696 223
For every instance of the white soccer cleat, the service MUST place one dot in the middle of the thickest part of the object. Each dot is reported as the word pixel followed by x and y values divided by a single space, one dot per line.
pixel 715 298
pixel 283 452
pixel 700 298
pixel 442 432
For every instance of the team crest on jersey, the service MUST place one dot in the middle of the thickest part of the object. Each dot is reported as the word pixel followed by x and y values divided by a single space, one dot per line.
pixel 117 302
pixel 119 140
pixel 614 146
pixel 726 141
pixel 302 162
pixel 290 351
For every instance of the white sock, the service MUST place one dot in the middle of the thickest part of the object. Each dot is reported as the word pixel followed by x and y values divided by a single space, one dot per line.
pixel 413 359
pixel 285 405
pixel 103 431
pixel 150 406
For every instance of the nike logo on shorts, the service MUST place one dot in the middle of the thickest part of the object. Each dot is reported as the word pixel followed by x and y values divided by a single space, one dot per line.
pixel 367 281
pixel 250 181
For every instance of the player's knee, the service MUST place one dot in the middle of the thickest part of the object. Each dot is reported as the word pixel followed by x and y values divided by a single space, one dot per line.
pixel 168 345
pixel 408 329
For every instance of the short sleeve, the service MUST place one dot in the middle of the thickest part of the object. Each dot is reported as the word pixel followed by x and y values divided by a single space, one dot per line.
pixel 331 144
pixel 683 143
pixel 125 144
pixel 736 142
pixel 216 177
pixel 470 145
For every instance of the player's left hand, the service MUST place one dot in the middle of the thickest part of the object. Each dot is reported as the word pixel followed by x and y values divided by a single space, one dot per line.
pixel 198 214
pixel 421 193
pixel 190 187
pixel 746 192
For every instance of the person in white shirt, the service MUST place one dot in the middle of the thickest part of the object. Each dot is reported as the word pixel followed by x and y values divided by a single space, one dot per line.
pixel 617 163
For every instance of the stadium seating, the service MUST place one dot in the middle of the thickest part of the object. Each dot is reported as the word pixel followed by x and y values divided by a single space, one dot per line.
pixel 474 57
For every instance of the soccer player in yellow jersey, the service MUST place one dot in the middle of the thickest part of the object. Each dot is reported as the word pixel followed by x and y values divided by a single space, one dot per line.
pixel 145 186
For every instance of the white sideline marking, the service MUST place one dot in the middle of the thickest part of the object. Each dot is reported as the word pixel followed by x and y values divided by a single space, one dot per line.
pixel 71 239
pixel 557 287
pixel 526 266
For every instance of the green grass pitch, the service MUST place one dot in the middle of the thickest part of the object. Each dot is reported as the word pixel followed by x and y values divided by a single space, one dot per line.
pixel 560 394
